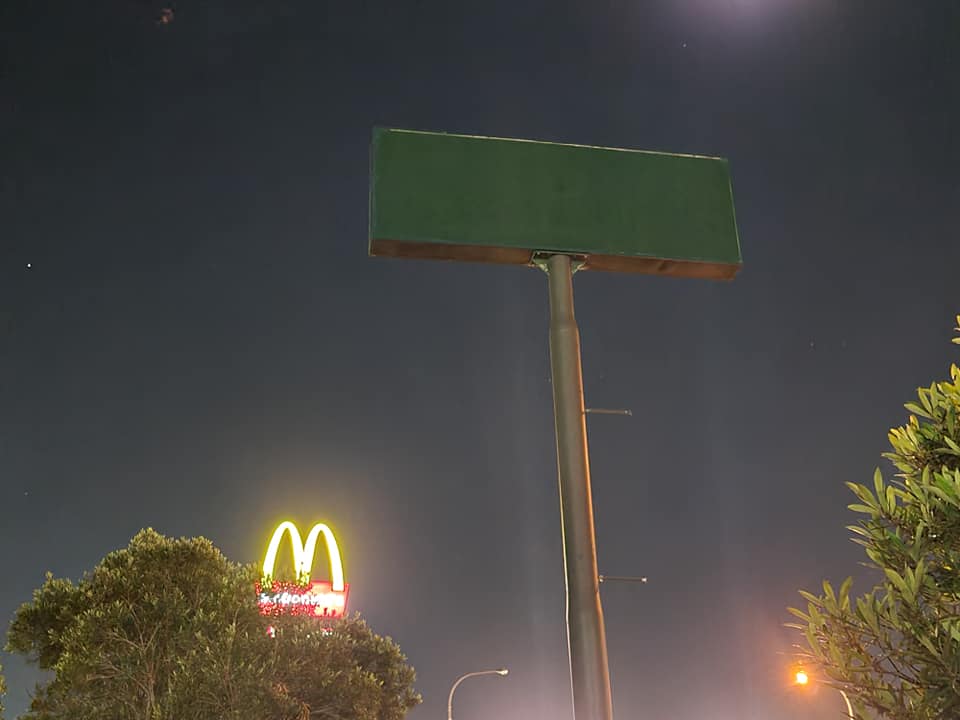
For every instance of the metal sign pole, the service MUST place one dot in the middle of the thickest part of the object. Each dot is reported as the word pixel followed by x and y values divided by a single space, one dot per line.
pixel 472 198
pixel 586 638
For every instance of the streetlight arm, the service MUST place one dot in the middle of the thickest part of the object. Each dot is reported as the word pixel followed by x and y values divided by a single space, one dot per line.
pixel 849 707
pixel 452 690
pixel 501 671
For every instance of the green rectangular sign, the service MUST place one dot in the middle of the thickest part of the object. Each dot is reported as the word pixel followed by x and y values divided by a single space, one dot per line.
pixel 461 197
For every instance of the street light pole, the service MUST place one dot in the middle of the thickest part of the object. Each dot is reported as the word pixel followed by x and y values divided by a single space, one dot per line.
pixel 499 671
pixel 849 707
pixel 586 637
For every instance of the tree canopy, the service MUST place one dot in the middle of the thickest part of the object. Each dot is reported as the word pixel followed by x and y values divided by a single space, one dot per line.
pixel 895 650
pixel 169 629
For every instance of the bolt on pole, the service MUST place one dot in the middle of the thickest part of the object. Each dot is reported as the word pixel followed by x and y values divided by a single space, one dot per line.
pixel 586 637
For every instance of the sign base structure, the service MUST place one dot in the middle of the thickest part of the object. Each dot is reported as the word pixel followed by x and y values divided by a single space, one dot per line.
pixel 314 599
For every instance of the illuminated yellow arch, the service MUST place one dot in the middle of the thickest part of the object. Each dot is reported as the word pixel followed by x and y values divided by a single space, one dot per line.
pixel 303 553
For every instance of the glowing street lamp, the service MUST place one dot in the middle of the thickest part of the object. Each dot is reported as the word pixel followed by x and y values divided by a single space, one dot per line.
pixel 800 677
pixel 498 671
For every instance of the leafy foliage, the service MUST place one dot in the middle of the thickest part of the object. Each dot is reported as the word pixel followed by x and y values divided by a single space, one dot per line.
pixel 168 629
pixel 896 649
pixel 344 671
pixel 3 691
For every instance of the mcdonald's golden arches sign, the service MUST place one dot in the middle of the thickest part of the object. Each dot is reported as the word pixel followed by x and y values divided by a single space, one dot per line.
pixel 303 595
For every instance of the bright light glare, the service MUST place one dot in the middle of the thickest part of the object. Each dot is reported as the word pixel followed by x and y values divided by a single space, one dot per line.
pixel 801 678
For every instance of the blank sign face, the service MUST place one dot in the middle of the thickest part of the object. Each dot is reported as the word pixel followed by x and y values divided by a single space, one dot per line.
pixel 461 197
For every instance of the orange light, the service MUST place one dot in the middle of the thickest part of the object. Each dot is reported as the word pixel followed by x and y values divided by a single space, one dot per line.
pixel 801 678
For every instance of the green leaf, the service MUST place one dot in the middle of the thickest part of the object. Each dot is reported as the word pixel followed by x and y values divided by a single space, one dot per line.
pixel 898 582
pixel 862 493
pixel 891 499
pixel 917 410
pixel 845 594
pixel 868 614
pixel 928 644
pixel 878 483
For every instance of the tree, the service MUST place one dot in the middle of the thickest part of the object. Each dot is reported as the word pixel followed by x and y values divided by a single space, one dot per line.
pixel 169 629
pixel 896 649
pixel 345 671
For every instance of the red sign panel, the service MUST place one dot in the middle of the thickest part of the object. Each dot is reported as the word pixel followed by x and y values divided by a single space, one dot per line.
pixel 317 599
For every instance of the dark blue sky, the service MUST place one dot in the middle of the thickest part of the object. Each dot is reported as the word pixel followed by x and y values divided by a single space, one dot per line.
pixel 192 336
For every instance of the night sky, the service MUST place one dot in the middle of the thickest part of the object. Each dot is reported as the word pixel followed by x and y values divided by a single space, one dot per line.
pixel 193 338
